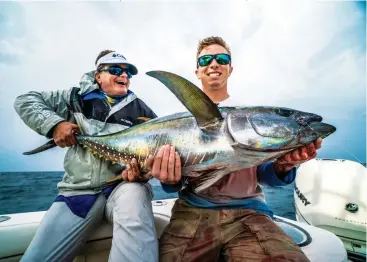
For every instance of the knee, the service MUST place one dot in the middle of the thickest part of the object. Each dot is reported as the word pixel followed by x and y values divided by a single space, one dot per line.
pixel 134 200
pixel 134 191
pixel 291 256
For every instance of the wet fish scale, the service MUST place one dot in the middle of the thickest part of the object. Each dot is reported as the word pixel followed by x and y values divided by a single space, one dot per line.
pixel 124 146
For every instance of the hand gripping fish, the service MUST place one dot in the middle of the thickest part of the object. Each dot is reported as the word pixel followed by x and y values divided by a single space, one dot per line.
pixel 212 142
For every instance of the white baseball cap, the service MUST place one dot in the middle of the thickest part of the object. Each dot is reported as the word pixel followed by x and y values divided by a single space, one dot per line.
pixel 116 58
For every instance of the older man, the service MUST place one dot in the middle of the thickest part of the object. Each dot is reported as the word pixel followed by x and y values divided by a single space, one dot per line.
pixel 103 104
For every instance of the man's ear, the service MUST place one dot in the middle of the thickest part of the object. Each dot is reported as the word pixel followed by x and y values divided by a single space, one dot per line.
pixel 97 77
pixel 230 70
pixel 197 73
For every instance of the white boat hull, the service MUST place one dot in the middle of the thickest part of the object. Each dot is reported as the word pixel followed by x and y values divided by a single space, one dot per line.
pixel 17 232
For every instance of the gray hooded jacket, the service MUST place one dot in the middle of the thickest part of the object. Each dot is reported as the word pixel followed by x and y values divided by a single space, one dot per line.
pixel 42 111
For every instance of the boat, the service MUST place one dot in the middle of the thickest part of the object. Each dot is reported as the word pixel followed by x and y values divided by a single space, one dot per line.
pixel 330 194
pixel 17 231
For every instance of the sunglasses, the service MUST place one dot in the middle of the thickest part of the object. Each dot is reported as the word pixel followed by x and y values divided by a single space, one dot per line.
pixel 222 59
pixel 116 71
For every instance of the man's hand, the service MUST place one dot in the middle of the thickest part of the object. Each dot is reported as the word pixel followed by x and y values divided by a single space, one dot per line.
pixel 132 172
pixel 166 165
pixel 64 134
pixel 296 157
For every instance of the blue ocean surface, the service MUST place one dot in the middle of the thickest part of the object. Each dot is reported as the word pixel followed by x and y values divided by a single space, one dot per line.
pixel 22 192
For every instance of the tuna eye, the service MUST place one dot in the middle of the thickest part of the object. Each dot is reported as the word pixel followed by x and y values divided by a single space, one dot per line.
pixel 284 112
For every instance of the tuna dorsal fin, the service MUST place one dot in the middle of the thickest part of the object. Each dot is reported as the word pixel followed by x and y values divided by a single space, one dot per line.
pixel 196 101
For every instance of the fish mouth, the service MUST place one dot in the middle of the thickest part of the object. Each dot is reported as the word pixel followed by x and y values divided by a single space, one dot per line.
pixel 318 129
pixel 305 120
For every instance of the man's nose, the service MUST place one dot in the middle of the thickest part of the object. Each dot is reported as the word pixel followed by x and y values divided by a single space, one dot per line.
pixel 124 74
pixel 214 64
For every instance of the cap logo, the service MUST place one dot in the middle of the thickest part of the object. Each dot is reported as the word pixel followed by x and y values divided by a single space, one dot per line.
pixel 118 55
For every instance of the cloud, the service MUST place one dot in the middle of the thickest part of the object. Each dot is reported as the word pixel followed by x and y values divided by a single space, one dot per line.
pixel 308 55
pixel 14 38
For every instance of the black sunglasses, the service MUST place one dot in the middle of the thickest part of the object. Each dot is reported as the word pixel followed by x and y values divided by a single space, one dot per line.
pixel 116 71
pixel 222 59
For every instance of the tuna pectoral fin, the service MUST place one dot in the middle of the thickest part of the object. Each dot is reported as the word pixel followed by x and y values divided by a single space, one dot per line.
pixel 208 179
pixel 196 101
pixel 48 145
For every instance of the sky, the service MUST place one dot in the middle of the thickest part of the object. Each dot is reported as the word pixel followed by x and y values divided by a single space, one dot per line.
pixel 308 55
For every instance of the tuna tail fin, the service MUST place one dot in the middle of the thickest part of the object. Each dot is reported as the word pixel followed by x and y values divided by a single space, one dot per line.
pixel 48 145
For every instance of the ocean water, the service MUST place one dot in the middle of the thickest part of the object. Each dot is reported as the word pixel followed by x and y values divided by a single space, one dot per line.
pixel 22 192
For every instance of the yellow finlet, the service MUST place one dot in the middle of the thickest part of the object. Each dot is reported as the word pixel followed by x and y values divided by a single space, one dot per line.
pixel 117 178
pixel 144 118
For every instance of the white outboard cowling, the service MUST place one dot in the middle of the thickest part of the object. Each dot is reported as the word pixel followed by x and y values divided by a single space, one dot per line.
pixel 331 194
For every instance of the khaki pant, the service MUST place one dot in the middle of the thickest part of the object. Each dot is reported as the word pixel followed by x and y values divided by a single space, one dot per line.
pixel 197 234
